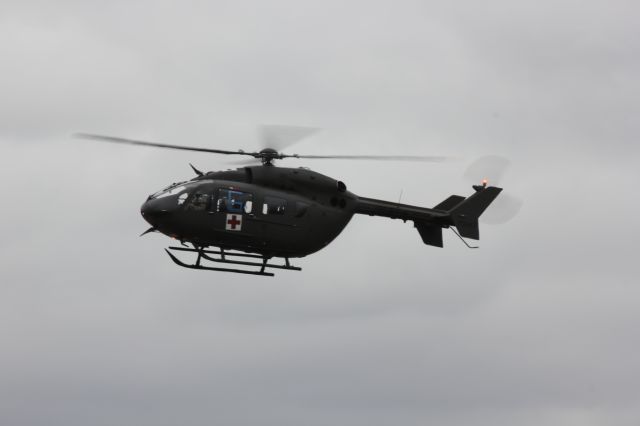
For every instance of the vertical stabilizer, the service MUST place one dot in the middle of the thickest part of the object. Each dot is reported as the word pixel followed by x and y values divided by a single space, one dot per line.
pixel 465 215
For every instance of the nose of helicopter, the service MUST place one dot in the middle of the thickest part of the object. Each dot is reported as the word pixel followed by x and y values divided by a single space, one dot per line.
pixel 153 210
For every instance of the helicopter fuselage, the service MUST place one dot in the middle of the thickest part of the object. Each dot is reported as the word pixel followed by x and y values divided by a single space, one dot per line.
pixel 272 211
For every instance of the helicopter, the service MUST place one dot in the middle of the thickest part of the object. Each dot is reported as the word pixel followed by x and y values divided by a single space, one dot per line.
pixel 240 220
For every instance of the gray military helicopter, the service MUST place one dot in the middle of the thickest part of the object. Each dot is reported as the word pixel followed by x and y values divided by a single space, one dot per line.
pixel 248 216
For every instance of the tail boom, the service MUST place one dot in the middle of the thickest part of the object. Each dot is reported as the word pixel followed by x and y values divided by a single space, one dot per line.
pixel 458 211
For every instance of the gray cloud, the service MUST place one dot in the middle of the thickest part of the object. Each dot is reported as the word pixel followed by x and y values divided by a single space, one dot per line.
pixel 537 327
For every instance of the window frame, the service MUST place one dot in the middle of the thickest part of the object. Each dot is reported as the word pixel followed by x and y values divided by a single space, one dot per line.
pixel 269 201
pixel 189 204
pixel 246 198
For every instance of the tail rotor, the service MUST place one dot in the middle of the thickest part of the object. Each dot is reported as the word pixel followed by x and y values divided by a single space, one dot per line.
pixel 491 169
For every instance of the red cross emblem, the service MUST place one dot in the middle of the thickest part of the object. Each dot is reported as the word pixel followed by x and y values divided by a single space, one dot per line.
pixel 234 222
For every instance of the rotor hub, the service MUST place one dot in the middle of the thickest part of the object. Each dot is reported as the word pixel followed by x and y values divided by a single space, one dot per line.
pixel 267 156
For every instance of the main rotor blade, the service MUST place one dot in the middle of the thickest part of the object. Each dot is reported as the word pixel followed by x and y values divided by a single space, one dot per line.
pixel 279 137
pixel 160 145
pixel 266 155
pixel 425 158
pixel 245 162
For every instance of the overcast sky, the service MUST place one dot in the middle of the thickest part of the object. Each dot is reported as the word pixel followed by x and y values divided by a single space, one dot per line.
pixel 538 327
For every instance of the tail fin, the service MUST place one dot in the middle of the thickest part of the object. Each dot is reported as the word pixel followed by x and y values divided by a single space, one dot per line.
pixel 466 213
pixel 431 234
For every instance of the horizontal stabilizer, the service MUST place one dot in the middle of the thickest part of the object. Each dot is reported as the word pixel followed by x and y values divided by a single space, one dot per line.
pixel 450 202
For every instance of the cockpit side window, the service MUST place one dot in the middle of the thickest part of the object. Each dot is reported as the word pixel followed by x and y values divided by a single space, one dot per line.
pixel 198 202
pixel 233 201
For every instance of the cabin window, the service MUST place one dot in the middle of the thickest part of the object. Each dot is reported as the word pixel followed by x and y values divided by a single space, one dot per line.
pixel 274 205
pixel 198 202
pixel 234 201
pixel 182 198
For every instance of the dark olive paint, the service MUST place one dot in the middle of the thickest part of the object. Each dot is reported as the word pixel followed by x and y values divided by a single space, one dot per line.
pixel 317 210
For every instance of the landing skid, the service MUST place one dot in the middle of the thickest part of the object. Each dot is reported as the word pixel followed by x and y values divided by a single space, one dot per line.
pixel 222 256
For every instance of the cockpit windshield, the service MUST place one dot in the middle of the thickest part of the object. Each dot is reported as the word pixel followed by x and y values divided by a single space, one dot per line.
pixel 173 189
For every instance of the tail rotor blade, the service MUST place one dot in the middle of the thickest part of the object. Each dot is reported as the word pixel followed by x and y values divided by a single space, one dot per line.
pixel 504 208
pixel 493 168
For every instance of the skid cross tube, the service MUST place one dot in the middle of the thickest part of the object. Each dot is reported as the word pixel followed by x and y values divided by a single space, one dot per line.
pixel 238 262
pixel 206 255
pixel 220 252
pixel 208 268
